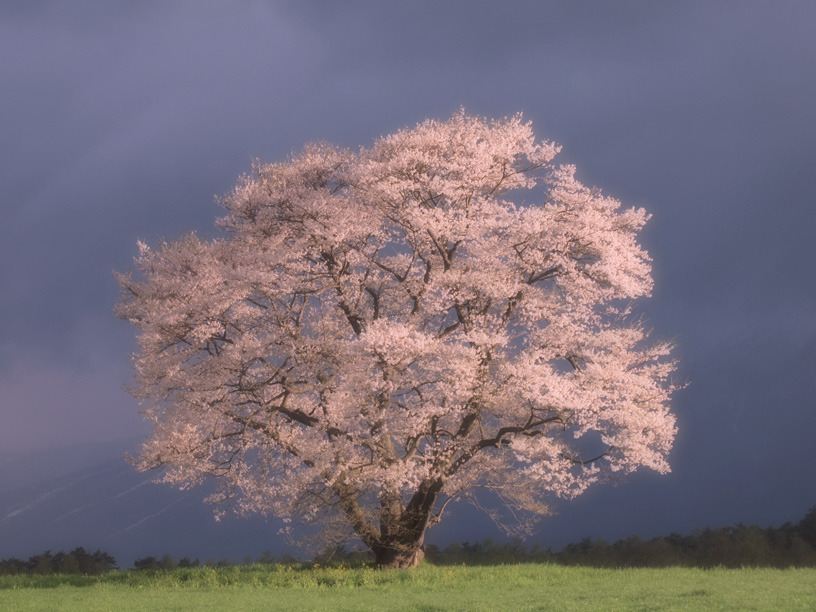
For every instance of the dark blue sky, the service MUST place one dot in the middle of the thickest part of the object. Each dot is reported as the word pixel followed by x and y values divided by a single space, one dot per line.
pixel 122 121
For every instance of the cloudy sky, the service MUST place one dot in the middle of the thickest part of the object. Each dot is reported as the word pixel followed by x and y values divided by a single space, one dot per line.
pixel 122 121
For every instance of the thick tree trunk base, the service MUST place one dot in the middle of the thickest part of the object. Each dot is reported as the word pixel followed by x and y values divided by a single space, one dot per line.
pixel 389 558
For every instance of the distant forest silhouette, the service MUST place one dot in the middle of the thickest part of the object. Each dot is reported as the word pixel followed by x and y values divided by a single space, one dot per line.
pixel 78 561
pixel 791 545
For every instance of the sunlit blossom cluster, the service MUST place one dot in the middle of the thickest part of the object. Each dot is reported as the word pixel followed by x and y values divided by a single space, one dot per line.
pixel 378 332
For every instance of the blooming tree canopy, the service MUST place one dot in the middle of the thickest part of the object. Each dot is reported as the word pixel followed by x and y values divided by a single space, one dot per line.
pixel 377 333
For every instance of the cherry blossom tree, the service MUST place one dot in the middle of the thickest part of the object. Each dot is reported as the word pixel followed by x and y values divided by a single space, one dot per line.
pixel 376 333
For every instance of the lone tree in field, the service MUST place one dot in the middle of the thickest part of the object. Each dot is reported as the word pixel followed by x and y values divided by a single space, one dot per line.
pixel 378 333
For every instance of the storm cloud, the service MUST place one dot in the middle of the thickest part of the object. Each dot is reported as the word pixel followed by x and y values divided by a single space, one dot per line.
pixel 123 122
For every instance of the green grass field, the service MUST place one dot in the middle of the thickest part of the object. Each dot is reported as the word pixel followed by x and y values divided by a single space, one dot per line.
pixel 507 587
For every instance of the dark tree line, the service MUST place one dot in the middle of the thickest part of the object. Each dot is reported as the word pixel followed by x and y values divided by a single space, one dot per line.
pixel 737 546
pixel 167 563
pixel 791 545
pixel 78 561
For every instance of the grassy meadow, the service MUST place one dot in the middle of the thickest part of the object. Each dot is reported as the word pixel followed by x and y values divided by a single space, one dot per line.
pixel 504 587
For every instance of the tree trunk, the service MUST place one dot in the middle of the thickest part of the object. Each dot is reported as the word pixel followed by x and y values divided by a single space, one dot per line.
pixel 399 557
pixel 402 530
